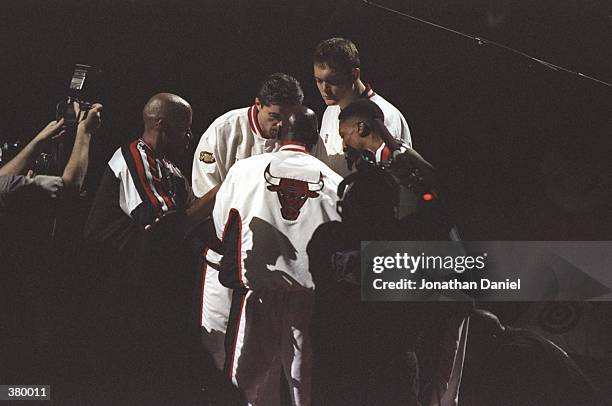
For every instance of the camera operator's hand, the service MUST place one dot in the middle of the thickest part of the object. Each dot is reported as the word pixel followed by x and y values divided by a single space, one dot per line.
pixel 410 163
pixel 90 120
pixel 55 129
pixel 51 185
pixel 24 159
pixel 76 168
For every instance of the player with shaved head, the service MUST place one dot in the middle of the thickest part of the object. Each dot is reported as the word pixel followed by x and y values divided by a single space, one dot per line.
pixel 141 214
pixel 266 211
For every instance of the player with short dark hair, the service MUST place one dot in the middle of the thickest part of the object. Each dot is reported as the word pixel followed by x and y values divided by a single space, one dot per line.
pixel 362 127
pixel 337 73
pixel 279 88
pixel 339 54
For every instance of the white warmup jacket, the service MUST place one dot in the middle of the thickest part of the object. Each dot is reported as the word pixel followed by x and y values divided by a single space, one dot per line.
pixel 233 136
pixel 265 213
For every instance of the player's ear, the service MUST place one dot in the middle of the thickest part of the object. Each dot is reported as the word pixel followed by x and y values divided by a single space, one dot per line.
pixel 258 104
pixel 363 129
pixel 355 74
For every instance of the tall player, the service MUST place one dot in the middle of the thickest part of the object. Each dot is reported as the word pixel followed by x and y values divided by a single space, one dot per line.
pixel 338 76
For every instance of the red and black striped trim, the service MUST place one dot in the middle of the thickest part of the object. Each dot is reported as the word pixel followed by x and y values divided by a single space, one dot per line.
pixel 295 146
pixel 385 155
pixel 252 113
pixel 145 171
pixel 293 142
pixel 156 179
pixel 368 93
pixel 201 298
pixel 230 272
pixel 133 159
pixel 237 308
pixel 230 275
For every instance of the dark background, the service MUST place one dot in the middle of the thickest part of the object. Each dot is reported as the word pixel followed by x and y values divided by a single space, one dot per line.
pixel 524 151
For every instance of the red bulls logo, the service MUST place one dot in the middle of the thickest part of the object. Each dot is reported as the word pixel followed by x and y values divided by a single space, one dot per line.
pixel 292 193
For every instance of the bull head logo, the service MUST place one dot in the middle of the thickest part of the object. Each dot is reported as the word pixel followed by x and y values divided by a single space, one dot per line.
pixel 292 193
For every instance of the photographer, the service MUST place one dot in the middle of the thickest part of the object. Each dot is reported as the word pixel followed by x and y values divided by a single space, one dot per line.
pixel 13 174
pixel 29 205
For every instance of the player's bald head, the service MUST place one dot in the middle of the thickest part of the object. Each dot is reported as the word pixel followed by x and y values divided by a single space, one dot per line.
pixel 165 107
pixel 301 126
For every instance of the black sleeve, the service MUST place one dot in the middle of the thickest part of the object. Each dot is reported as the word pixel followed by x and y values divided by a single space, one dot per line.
pixel 229 272
pixel 107 224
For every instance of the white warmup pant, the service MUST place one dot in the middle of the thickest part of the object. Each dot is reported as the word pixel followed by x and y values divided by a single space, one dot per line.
pixel 216 303
pixel 268 330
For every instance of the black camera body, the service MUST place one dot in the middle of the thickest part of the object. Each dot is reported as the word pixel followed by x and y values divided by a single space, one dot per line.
pixel 78 94
pixel 395 195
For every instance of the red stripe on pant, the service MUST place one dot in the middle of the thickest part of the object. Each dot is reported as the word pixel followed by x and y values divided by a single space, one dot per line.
pixel 233 329
pixel 204 268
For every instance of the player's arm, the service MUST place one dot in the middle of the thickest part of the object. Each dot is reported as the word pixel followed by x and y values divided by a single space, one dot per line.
pixel 227 191
pixel 228 223
pixel 405 131
pixel 107 223
pixel 200 210
pixel 208 163
pixel 398 127
pixel 319 151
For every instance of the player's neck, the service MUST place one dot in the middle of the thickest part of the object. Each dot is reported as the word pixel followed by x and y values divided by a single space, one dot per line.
pixel 151 138
pixel 375 144
pixel 358 89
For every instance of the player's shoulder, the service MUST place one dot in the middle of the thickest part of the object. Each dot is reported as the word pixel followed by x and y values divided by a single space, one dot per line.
pixel 331 175
pixel 226 126
pixel 385 105
pixel 117 162
pixel 325 170
pixel 117 156
pixel 244 172
pixel 229 121
pixel 232 116
pixel 331 111
pixel 128 157
pixel 252 162
pixel 331 179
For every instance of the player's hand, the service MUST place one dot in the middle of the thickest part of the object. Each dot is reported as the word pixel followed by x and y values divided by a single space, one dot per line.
pixel 51 185
pixel 171 223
